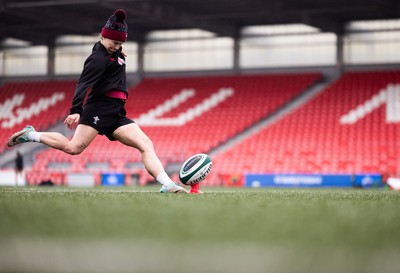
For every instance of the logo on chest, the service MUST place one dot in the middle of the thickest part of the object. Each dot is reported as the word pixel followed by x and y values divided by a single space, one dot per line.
pixel 120 60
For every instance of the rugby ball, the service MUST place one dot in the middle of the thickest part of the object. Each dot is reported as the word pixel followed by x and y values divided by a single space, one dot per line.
pixel 195 169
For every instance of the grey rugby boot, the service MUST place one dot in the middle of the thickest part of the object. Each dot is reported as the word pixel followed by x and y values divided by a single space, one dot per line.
pixel 21 136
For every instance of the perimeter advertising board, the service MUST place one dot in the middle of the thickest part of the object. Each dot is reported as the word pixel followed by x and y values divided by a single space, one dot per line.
pixel 312 180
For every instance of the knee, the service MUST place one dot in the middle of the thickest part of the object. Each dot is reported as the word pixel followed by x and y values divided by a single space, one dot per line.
pixel 73 150
pixel 146 145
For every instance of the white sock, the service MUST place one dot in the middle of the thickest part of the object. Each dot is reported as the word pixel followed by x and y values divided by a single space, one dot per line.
pixel 34 136
pixel 164 179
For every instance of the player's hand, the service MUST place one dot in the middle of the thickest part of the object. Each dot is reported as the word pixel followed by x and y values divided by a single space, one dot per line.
pixel 72 120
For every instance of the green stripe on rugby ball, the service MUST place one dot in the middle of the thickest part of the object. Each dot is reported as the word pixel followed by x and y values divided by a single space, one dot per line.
pixel 195 169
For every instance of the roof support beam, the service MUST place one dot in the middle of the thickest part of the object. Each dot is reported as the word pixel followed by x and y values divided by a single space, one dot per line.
pixel 174 17
pixel 324 23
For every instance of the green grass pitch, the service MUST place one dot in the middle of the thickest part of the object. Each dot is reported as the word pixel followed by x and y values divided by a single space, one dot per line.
pixel 223 230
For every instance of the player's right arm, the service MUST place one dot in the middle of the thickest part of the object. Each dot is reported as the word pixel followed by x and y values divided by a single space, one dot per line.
pixel 71 120
pixel 92 71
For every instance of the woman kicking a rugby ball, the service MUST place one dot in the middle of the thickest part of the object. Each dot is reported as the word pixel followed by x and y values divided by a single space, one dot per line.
pixel 104 111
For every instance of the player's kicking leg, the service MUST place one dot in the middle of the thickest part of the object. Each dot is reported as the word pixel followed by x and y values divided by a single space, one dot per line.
pixel 83 136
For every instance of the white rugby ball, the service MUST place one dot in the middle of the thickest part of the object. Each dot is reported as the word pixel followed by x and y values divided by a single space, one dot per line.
pixel 195 169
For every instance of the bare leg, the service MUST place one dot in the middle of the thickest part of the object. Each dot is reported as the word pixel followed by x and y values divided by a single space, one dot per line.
pixel 133 136
pixel 83 136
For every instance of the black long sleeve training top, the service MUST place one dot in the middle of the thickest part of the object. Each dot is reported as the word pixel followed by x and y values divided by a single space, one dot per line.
pixel 102 72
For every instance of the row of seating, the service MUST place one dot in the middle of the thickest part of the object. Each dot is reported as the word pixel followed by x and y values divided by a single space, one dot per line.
pixel 310 139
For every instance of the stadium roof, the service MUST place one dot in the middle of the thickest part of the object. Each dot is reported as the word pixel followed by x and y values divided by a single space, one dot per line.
pixel 40 21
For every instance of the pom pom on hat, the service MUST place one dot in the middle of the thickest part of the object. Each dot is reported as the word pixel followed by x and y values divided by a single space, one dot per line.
pixel 120 14
pixel 116 27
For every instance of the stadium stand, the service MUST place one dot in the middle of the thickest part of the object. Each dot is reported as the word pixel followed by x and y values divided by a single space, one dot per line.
pixel 352 126
pixel 191 115
pixel 252 98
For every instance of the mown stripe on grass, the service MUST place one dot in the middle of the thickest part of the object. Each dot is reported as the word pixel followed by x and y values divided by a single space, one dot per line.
pixel 146 256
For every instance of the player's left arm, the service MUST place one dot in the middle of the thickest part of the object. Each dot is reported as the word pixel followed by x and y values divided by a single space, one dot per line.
pixel 71 120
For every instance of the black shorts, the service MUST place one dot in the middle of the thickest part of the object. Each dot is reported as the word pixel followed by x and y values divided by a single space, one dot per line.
pixel 105 115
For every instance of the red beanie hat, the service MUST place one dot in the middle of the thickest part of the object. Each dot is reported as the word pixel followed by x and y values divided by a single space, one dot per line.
pixel 116 27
